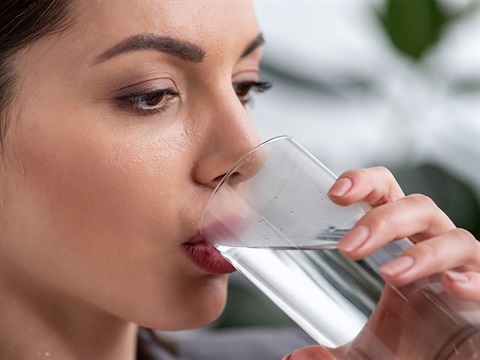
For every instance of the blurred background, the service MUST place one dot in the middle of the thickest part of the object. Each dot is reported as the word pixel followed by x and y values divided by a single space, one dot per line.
pixel 381 82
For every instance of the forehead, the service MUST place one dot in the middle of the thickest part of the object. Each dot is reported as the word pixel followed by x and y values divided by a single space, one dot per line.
pixel 218 25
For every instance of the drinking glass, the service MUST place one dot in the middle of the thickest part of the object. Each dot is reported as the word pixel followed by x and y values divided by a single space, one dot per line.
pixel 271 218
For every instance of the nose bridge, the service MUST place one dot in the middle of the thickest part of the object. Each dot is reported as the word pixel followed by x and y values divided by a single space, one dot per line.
pixel 228 134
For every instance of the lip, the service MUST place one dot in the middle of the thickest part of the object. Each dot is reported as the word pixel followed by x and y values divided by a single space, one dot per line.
pixel 205 256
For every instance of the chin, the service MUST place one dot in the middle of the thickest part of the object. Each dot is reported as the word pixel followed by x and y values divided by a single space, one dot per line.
pixel 187 320
pixel 203 311
pixel 198 308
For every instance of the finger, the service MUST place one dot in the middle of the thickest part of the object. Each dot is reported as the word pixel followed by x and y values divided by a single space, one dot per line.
pixel 434 256
pixel 414 216
pixel 316 352
pixel 375 186
pixel 464 285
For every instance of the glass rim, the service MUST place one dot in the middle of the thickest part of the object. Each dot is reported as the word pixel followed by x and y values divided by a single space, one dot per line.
pixel 234 168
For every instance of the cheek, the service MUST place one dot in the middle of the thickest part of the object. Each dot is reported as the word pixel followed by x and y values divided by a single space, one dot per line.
pixel 101 215
pixel 90 171
pixel 84 181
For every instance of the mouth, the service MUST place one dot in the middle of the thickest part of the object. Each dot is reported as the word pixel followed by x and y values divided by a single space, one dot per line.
pixel 205 256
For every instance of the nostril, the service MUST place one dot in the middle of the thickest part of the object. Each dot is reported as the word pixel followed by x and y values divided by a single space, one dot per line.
pixel 231 178
pixel 219 160
pixel 217 180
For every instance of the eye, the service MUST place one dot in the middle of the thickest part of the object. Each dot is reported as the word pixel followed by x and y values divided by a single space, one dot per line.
pixel 243 89
pixel 148 102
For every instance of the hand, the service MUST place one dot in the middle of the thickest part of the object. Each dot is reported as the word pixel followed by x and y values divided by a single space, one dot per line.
pixel 310 353
pixel 439 245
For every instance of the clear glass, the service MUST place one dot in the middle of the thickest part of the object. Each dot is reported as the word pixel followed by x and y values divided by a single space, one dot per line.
pixel 271 218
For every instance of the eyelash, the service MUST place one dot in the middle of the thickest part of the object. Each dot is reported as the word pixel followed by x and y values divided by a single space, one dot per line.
pixel 133 101
pixel 245 87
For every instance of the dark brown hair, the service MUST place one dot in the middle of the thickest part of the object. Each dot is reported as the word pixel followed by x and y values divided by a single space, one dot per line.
pixel 21 23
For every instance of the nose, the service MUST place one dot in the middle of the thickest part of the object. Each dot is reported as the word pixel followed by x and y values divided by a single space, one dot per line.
pixel 228 135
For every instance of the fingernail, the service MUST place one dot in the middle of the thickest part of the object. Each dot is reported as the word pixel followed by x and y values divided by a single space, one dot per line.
pixel 354 239
pixel 457 277
pixel 397 266
pixel 340 187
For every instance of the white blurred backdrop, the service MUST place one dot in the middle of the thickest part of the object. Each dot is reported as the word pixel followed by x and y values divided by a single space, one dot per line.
pixel 350 96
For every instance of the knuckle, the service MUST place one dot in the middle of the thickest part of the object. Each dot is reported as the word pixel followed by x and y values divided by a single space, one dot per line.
pixel 423 250
pixel 386 176
pixel 382 170
pixel 436 221
pixel 380 218
pixel 391 188
pixel 470 247
pixel 422 200
pixel 467 239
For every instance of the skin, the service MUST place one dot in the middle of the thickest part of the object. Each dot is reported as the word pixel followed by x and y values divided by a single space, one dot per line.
pixel 438 247
pixel 98 197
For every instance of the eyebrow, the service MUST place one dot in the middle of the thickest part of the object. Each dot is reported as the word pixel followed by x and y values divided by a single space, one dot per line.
pixel 253 45
pixel 179 48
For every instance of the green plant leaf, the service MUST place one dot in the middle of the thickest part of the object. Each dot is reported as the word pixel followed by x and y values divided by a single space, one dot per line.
pixel 414 25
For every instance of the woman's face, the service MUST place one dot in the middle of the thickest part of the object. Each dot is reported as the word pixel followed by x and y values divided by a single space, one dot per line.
pixel 120 129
